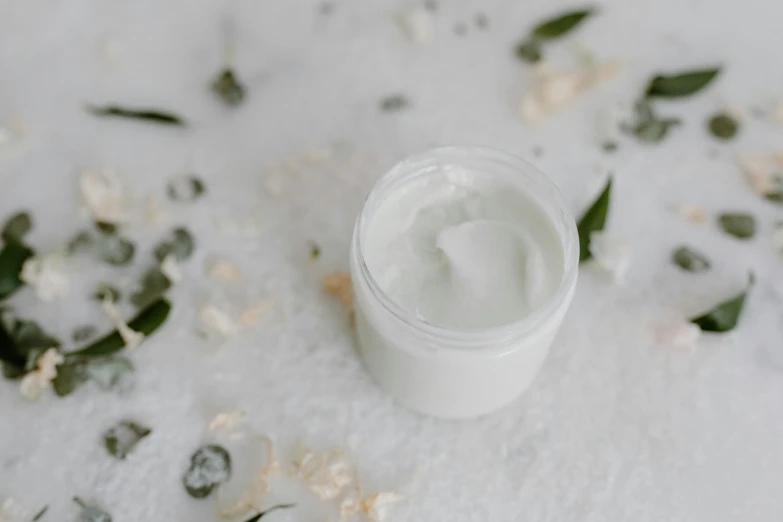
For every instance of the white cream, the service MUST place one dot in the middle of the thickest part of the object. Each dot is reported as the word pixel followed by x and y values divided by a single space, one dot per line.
pixel 463 251
pixel 463 264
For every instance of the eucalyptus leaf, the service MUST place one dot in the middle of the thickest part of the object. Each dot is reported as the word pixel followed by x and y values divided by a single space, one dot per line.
pixel 115 250
pixel 737 224
pixel 16 227
pixel 394 103
pixel 185 188
pixel 725 315
pixel 180 244
pixel 593 220
pixel 153 285
pixel 690 259
pixel 647 126
pixel 70 375
pixel 210 466
pixel 723 126
pixel 106 291
pixel 106 228
pixel 149 115
pixel 147 321
pixel 681 84
pixel 109 373
pixel 228 88
pixel 123 437
pixel 38 516
pixel 259 516
pixel 529 51
pixel 80 242
pixel 561 24
pixel 83 333
pixel 91 513
pixel 12 258
pixel 13 360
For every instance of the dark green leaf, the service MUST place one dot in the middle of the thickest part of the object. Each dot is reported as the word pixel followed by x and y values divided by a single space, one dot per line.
pixel 529 51
pixel 725 316
pixel 83 333
pixel 185 188
pixel 150 115
pixel 723 126
pixel 12 258
pixel 681 84
pixel 210 466
pixel 739 225
pixel 106 228
pixel 38 516
pixel 593 220
pixel 70 375
pixel 690 260
pixel 180 244
pixel 16 227
pixel 560 25
pixel 107 291
pixel 146 322
pixel 13 359
pixel 152 286
pixel 228 88
pixel 116 250
pixel 122 438
pixel 394 103
pixel 91 513
pixel 258 517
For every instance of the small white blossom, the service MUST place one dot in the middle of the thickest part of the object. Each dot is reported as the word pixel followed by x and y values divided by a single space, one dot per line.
pixel 418 25
pixel 36 381
pixel 104 196
pixel 325 473
pixel 612 254
pixel 130 337
pixel 46 276
pixel 171 269
pixel 375 506
pixel 216 319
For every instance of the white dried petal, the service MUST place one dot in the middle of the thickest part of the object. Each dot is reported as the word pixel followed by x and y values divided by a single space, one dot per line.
pixel 250 498
pixel 417 24
pixel 251 316
pixel 218 320
pixel 103 194
pixel 225 270
pixel 225 420
pixel 325 473
pixel 171 269
pixel 612 254
pixel 130 337
pixel 759 174
pixel 678 335
pixel 46 276
pixel 693 213
pixel 375 506
pixel 36 381
pixel 339 284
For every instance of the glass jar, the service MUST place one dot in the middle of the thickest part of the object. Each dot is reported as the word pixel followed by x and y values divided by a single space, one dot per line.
pixel 447 372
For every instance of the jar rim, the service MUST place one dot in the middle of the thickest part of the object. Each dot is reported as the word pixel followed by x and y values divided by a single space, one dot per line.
pixel 475 338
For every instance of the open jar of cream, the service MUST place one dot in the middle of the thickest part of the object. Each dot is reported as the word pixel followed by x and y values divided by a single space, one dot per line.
pixel 464 262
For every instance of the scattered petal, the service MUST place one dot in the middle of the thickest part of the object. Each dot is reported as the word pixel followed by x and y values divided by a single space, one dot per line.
pixel 677 335
pixel 45 274
pixel 225 420
pixel 375 506
pixel 216 319
pixel 326 473
pixel 339 284
pixel 171 268
pixel 130 337
pixel 611 254
pixel 693 213
pixel 418 25
pixel 225 270
pixel 104 196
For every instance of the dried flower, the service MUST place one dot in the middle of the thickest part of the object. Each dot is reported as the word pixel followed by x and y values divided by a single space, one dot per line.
pixel 326 473
pixel 339 284
pixel 130 337
pixel 41 378
pixel 45 274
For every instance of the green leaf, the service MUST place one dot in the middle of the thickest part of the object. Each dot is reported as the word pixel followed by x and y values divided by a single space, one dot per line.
pixel 648 127
pixel 14 361
pixel 115 250
pixel 83 333
pixel 109 373
pixel 146 322
pixel 394 103
pixel 593 220
pixel 723 126
pixel 690 260
pixel 228 88
pixel 529 51
pixel 258 517
pixel 80 242
pixel 610 146
pixel 38 516
pixel 560 25
pixel 150 115
pixel 724 316
pixel 70 375
pixel 181 244
pixel 210 466
pixel 152 286
pixel 123 437
pixel 106 228
pixel 91 513
pixel 185 188
pixel 16 227
pixel 12 258
pixel 681 84
pixel 737 224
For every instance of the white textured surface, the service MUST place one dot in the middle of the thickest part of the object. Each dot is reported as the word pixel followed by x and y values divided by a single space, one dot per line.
pixel 614 428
